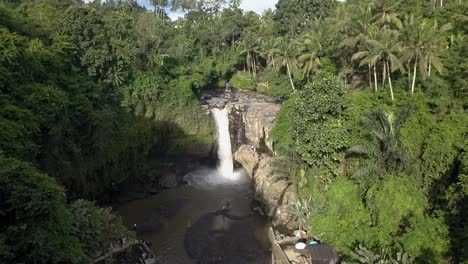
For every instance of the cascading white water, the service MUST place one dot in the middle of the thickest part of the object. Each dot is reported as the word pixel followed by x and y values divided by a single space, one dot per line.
pixel 226 165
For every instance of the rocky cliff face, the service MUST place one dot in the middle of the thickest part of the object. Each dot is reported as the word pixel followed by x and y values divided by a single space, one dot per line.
pixel 274 193
pixel 252 118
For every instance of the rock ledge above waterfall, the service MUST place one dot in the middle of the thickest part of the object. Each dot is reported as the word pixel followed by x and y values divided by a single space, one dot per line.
pixel 252 116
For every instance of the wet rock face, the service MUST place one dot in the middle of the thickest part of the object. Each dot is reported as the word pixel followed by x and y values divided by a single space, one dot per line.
pixel 258 117
pixel 274 193
pixel 252 118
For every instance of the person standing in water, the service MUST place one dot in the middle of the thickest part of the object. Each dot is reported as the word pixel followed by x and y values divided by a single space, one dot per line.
pixel 226 206
pixel 228 87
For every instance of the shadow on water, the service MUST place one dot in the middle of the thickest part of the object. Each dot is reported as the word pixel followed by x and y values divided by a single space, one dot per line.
pixel 219 237
pixel 187 224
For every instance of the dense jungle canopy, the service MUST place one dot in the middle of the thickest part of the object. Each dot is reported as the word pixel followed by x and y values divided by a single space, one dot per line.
pixel 372 132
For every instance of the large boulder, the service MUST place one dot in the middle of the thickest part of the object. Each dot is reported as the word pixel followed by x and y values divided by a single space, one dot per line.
pixel 248 158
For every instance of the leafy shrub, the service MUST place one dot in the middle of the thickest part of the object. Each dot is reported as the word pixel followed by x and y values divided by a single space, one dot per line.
pixel 344 220
pixel 281 133
pixel 277 85
pixel 36 226
pixel 316 120
pixel 363 255
pixel 243 81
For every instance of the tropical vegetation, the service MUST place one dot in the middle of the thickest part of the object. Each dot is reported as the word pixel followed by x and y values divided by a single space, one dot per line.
pixel 372 130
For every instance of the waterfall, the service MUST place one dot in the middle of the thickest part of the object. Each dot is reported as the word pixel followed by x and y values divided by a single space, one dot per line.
pixel 226 165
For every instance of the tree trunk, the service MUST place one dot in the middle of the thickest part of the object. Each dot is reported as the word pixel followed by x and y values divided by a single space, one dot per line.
pixel 290 78
pixel 384 73
pixel 254 67
pixel 409 76
pixel 370 75
pixel 390 82
pixel 249 64
pixel 375 78
pixel 414 76
pixel 429 69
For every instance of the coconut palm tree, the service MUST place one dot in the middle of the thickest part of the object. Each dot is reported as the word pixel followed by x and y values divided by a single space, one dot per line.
pixel 285 56
pixel 235 3
pixel 359 30
pixel 357 26
pixel 385 13
pixel 412 49
pixel 423 41
pixel 310 50
pixel 384 148
pixel 250 48
pixel 385 48
pixel 159 6
pixel 435 38
pixel 268 51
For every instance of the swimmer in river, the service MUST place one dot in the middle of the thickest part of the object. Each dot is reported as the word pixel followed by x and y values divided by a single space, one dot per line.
pixel 226 206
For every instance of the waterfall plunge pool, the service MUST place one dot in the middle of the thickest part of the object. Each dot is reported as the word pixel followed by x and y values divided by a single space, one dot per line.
pixel 187 224
pixel 209 220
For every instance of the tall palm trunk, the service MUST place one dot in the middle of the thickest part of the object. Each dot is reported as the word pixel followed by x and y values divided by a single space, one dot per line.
pixel 249 62
pixel 375 78
pixel 290 78
pixel 414 76
pixel 390 81
pixel 254 66
pixel 429 69
pixel 370 75
pixel 384 73
pixel 409 76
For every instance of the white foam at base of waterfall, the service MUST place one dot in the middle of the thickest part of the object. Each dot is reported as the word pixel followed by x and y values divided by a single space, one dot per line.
pixel 225 174
pixel 226 164
pixel 208 178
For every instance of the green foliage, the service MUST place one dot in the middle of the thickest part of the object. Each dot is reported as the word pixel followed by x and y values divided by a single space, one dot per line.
pixel 393 216
pixel 36 226
pixel 301 212
pixel 433 142
pixel 359 104
pixel 443 144
pixel 316 119
pixel 95 227
pixel 363 255
pixel 388 156
pixel 292 16
pixel 392 205
pixel 276 85
pixel 344 220
pixel 243 81
pixel 426 238
pixel 85 26
pixel 281 133
pixel 87 90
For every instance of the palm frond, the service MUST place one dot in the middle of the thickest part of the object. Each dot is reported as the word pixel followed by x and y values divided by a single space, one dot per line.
pixel 366 171
pixel 360 150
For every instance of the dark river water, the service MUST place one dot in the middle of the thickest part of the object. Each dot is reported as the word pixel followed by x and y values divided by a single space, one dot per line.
pixel 188 225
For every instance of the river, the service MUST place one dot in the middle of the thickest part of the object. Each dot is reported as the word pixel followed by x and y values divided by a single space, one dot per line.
pixel 187 224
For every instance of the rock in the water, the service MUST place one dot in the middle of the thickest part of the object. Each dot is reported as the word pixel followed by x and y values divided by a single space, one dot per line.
pixel 168 181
